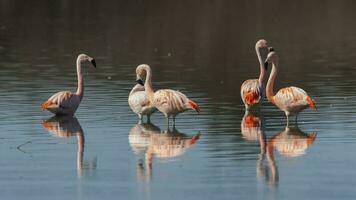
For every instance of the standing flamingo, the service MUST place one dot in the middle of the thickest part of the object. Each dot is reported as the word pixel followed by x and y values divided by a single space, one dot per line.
pixel 252 89
pixel 292 99
pixel 65 102
pixel 139 102
pixel 169 102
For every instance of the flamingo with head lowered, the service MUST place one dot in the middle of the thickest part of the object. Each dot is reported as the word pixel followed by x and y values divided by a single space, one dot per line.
pixel 66 102
pixel 167 101
pixel 292 99
pixel 139 102
pixel 252 89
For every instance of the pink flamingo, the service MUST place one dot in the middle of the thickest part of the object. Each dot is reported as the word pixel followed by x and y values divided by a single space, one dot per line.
pixel 292 99
pixel 252 89
pixel 139 102
pixel 65 102
pixel 169 102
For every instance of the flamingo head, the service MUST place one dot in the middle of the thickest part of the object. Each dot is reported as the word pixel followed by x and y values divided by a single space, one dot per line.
pixel 271 57
pixel 261 44
pixel 141 72
pixel 84 57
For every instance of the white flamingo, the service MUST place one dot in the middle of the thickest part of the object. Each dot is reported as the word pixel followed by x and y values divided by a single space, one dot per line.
pixel 66 102
pixel 169 102
pixel 139 102
pixel 252 90
pixel 292 99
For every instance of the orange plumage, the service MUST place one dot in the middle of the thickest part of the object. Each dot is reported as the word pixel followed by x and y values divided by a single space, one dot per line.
pixel 46 104
pixel 311 103
pixel 194 106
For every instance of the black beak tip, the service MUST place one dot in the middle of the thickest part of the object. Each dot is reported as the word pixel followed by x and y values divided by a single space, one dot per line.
pixel 266 65
pixel 93 62
pixel 139 81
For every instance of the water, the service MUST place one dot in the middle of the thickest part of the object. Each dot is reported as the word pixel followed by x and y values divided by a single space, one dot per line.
pixel 204 49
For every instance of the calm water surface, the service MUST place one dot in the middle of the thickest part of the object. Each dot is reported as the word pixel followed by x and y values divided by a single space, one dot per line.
pixel 204 49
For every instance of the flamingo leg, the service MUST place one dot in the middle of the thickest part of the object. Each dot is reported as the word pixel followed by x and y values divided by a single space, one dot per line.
pixel 148 118
pixel 287 115
pixel 174 121
pixel 167 117
pixel 140 118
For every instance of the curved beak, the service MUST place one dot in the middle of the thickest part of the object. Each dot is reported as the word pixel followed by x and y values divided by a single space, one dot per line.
pixel 140 81
pixel 266 65
pixel 93 62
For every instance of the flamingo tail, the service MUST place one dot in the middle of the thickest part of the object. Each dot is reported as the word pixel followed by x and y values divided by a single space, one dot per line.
pixel 194 106
pixel 46 104
pixel 311 103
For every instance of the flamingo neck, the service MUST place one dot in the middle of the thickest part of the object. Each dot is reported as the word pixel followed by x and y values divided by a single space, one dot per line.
pixel 270 83
pixel 80 90
pixel 262 69
pixel 148 83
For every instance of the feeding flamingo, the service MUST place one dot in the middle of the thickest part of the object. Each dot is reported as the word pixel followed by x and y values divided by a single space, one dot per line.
pixel 65 102
pixel 167 101
pixel 139 102
pixel 292 99
pixel 252 89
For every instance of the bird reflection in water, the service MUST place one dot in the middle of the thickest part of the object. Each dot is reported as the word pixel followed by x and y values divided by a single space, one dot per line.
pixel 66 127
pixel 251 126
pixel 148 140
pixel 291 142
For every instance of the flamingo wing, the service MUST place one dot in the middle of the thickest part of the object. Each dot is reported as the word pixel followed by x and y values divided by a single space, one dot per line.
pixel 251 91
pixel 64 99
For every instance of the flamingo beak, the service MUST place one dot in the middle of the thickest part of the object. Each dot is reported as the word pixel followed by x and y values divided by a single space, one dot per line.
pixel 140 81
pixel 266 65
pixel 93 62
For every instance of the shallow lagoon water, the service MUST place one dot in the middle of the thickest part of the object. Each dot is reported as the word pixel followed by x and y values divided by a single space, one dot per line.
pixel 204 50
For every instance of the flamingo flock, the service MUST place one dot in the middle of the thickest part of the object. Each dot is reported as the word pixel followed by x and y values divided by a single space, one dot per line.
pixel 144 100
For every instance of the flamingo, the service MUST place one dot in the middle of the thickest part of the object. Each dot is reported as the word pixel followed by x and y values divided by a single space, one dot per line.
pixel 167 101
pixel 65 102
pixel 252 89
pixel 291 100
pixel 139 102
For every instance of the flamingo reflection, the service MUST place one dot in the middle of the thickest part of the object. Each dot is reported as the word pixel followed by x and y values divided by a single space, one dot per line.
pixel 251 126
pixel 148 140
pixel 291 142
pixel 66 127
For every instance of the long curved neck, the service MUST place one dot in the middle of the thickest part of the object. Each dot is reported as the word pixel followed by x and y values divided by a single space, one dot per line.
pixel 148 83
pixel 80 90
pixel 262 69
pixel 270 83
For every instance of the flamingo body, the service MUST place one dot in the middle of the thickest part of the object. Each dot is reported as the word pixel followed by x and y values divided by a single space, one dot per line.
pixel 251 92
pixel 139 102
pixel 171 102
pixel 62 103
pixel 292 100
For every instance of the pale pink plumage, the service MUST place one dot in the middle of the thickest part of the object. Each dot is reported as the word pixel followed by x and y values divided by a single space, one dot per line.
pixel 291 142
pixel 65 102
pixel 291 100
pixel 169 102
pixel 251 89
